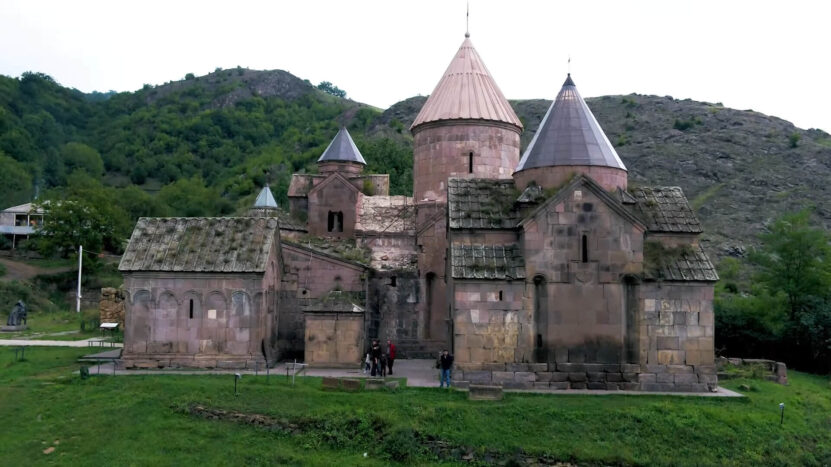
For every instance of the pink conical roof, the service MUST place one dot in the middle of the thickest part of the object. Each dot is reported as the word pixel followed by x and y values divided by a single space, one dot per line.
pixel 467 91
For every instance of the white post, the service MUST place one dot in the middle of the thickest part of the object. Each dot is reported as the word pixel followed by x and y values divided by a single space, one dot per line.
pixel 80 265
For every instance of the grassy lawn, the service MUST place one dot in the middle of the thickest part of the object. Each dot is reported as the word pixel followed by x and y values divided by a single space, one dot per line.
pixel 170 420
pixel 43 323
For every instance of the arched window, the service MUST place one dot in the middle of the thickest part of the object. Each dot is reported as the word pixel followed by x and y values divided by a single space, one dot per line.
pixel 585 249
pixel 470 162
pixel 431 284
pixel 335 221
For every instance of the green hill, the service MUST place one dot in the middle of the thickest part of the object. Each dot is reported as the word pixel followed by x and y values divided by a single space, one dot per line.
pixel 205 145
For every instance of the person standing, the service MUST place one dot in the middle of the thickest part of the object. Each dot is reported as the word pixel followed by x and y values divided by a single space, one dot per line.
pixel 445 365
pixel 375 354
pixel 390 354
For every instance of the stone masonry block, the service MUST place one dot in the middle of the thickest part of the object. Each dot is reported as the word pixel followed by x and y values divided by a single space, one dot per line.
pixel 596 377
pixel 478 377
pixel 612 386
pixel 516 367
pixel 668 343
pixel 664 378
pixel 541 385
pixel 577 377
pixel 518 385
pixel 647 378
pixel 630 368
pixel 527 376
pixel 544 376
pixel 493 366
pixel 630 377
pixel 680 369
pixel 502 376
pixel 577 385
pixel 614 377
pixel 686 378
pixel 596 385
pixel 571 367
pixel 629 386
pixel 537 367
pixel 559 385
pixel 559 376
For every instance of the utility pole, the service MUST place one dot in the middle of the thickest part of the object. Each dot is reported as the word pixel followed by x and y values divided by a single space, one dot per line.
pixel 80 266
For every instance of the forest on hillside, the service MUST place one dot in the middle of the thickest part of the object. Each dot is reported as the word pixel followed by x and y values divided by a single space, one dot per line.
pixel 173 150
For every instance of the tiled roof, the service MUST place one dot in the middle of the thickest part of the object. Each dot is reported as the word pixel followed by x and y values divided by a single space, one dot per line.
pixel 467 91
pixel 487 262
pixel 665 209
pixel 477 203
pixel 690 264
pixel 569 135
pixel 200 244
pixel 342 149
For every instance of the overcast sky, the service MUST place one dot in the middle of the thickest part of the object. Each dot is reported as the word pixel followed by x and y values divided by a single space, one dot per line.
pixel 772 57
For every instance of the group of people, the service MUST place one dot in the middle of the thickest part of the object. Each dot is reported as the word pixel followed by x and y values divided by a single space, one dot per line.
pixel 378 362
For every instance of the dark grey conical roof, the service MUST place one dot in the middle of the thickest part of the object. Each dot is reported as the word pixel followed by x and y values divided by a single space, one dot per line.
pixel 569 135
pixel 342 149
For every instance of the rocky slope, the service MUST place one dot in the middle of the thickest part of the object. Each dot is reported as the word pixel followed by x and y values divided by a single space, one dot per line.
pixel 739 168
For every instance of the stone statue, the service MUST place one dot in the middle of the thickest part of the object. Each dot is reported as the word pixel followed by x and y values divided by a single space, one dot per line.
pixel 17 315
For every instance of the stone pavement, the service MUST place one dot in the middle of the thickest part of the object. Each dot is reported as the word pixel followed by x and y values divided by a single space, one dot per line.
pixel 91 342
pixel 419 373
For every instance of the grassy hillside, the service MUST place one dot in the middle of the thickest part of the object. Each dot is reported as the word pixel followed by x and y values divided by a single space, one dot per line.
pixel 141 420
pixel 204 145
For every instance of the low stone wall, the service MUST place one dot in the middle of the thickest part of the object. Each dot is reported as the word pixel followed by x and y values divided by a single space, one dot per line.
pixel 111 306
pixel 154 361
pixel 601 376
pixel 753 367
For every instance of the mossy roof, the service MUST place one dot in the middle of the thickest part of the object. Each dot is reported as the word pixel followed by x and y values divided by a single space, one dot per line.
pixel 487 262
pixel 475 203
pixel 689 264
pixel 200 244
pixel 665 209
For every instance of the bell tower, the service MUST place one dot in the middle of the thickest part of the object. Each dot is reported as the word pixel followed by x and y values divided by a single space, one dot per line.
pixel 466 129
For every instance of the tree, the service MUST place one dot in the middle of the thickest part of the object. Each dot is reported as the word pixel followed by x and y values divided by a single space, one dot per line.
pixel 68 224
pixel 190 197
pixel 15 182
pixel 79 156
pixel 795 259
pixel 330 88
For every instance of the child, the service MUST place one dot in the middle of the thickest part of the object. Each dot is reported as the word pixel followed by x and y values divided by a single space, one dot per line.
pixel 367 363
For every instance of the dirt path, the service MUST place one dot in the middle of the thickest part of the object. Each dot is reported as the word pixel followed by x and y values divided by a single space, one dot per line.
pixel 21 271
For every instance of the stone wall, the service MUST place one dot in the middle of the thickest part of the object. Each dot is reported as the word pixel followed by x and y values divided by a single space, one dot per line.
pixel 442 150
pixel 609 178
pixel 334 339
pixel 111 306
pixel 336 195
pixel 490 323
pixel 392 305
pixel 309 276
pixel 599 376
pixel 212 320
pixel 677 324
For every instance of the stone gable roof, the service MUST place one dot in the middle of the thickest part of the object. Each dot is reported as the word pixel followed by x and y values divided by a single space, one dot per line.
pixel 487 262
pixel 301 184
pixel 475 203
pixel 200 244
pixel 665 209
pixel 689 265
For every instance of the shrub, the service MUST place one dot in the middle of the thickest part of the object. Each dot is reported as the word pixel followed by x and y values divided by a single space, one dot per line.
pixel 793 139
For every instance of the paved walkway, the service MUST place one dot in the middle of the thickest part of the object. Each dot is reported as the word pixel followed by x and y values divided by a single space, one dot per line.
pixel 419 373
pixel 91 342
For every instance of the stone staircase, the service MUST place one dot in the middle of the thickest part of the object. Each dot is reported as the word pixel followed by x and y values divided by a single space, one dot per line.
pixel 419 348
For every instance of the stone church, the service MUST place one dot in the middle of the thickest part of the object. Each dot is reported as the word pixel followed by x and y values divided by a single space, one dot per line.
pixel 540 271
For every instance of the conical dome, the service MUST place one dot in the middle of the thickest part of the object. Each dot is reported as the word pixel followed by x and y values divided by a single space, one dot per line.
pixel 342 149
pixel 265 200
pixel 569 135
pixel 467 92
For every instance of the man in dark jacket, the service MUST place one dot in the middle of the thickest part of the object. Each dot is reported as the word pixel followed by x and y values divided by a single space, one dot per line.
pixel 375 356
pixel 445 365
pixel 390 354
